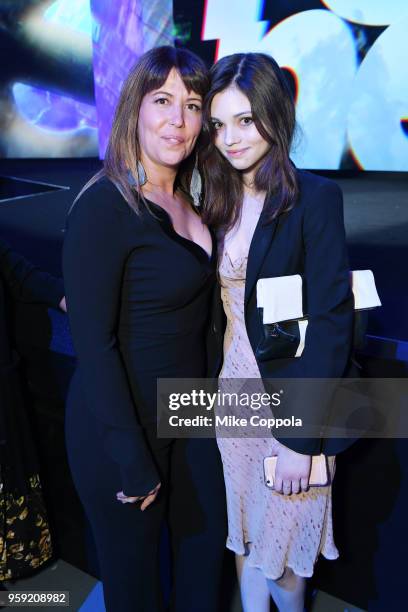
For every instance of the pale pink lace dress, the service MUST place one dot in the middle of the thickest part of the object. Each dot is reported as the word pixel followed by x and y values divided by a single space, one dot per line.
pixel 282 531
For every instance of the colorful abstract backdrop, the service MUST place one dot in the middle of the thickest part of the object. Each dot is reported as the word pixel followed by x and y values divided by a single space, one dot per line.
pixel 64 61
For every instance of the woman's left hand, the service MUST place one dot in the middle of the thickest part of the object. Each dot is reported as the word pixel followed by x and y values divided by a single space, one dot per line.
pixel 292 471
pixel 145 500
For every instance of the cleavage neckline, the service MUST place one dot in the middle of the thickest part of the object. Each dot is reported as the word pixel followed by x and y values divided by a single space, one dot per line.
pixel 180 238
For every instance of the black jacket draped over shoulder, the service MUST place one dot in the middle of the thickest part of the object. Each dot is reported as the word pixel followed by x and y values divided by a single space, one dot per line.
pixel 308 240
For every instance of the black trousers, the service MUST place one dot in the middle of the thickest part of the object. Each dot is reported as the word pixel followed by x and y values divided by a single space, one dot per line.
pixel 191 499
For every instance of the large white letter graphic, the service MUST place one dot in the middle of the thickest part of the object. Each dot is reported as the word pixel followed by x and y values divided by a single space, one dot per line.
pixel 234 23
pixel 380 103
pixel 339 103
pixel 319 48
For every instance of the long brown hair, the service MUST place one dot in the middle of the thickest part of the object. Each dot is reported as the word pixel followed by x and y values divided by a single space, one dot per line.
pixel 123 150
pixel 261 80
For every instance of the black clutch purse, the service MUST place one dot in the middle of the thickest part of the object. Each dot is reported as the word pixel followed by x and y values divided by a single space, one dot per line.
pixel 280 307
pixel 280 340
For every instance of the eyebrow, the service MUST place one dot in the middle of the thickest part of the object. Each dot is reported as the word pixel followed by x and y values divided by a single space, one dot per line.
pixel 155 93
pixel 237 115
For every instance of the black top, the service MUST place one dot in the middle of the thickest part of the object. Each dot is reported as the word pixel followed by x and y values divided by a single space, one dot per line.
pixel 138 302
pixel 26 283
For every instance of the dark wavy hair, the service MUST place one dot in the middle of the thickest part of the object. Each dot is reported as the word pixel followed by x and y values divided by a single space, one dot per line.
pixel 123 150
pixel 259 77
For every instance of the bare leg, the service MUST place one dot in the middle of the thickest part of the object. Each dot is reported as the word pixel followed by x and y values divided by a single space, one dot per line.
pixel 255 595
pixel 288 592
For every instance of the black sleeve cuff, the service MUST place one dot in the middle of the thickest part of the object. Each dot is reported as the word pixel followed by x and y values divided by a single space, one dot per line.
pixel 129 449
pixel 138 481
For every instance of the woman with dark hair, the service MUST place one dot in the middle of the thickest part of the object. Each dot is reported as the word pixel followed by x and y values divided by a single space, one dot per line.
pixel 25 542
pixel 139 268
pixel 273 221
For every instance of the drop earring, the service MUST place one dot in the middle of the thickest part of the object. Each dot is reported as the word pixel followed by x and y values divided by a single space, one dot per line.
pixel 141 178
pixel 196 185
pixel 141 174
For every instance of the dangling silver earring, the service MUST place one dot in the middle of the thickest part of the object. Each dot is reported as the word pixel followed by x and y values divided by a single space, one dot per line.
pixel 196 186
pixel 141 174
pixel 141 178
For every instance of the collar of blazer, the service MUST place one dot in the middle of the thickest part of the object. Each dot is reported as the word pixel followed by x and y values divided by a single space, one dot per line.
pixel 261 241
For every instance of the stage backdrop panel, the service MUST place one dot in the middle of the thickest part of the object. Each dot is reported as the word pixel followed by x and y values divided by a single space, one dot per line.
pixel 346 61
pixel 47 106
pixel 64 61
pixel 62 66
pixel 123 30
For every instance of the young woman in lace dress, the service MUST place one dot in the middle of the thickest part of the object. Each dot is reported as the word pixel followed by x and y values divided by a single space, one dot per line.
pixel 273 220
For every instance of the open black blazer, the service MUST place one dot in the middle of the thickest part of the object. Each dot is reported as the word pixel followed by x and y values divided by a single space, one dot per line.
pixel 308 240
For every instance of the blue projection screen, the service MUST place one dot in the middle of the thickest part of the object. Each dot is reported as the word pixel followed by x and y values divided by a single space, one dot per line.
pixel 47 106
pixel 349 63
pixel 64 62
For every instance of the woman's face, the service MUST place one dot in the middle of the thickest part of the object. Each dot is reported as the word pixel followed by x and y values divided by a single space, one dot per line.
pixel 237 137
pixel 169 123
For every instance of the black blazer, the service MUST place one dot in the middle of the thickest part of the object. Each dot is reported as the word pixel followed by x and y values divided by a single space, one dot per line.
pixel 308 240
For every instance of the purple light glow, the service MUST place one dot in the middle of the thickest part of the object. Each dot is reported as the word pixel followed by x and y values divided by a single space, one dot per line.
pixel 121 34
pixel 55 112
